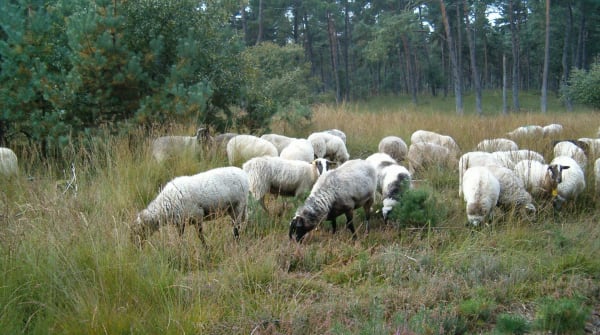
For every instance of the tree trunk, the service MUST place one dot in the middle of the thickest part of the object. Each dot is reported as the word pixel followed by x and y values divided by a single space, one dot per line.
pixel 347 41
pixel 546 60
pixel 504 86
pixel 458 46
pixel 580 38
pixel 259 35
pixel 565 54
pixel 453 59
pixel 474 71
pixel 333 51
pixel 409 69
pixel 515 55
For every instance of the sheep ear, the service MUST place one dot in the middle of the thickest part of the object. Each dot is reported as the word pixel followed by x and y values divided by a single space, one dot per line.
pixel 564 167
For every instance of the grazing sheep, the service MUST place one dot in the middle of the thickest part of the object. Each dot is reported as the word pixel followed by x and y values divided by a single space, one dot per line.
pixel 497 144
pixel 597 176
pixel 9 164
pixel 567 148
pixel 541 180
pixel 573 180
pixel 337 192
pixel 473 158
pixel 393 180
pixel 279 141
pixel 165 147
pixel 512 191
pixel 422 155
pixel 552 130
pixel 299 149
pixel 329 146
pixel 510 158
pixel 439 139
pixel 526 131
pixel 481 190
pixel 591 146
pixel 279 176
pixel 393 146
pixel 337 133
pixel 191 199
pixel 241 148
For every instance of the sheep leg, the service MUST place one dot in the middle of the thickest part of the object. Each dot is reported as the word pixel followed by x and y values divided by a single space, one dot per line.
pixel 262 203
pixel 350 224
pixel 198 224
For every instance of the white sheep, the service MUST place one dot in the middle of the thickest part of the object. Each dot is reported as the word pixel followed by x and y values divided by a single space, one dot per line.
pixel 299 149
pixel 591 146
pixel 165 147
pixel 570 149
pixel 279 141
pixel 473 158
pixel 241 148
pixel 513 194
pixel 337 133
pixel 439 139
pixel 9 164
pixel 497 144
pixel 422 155
pixel 481 190
pixel 530 131
pixel 573 181
pixel 597 176
pixel 552 130
pixel 510 158
pixel 191 199
pixel 393 180
pixel 393 146
pixel 279 176
pixel 329 146
pixel 337 192
pixel 541 180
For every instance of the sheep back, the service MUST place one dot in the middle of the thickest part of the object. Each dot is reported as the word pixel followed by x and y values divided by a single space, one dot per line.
pixel 573 179
pixel 481 190
pixel 299 149
pixel 9 164
pixel 497 144
pixel 244 147
pixel 393 146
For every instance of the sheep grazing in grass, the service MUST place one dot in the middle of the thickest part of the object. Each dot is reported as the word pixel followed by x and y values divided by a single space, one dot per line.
pixel 165 147
pixel 530 131
pixel 513 194
pixel 573 181
pixel 191 199
pixel 299 149
pixel 241 148
pixel 329 146
pixel 422 155
pixel 279 141
pixel 393 180
pixel 497 144
pixel 337 192
pixel 279 176
pixel 473 158
pixel 508 159
pixel 591 146
pixel 552 130
pixel 9 164
pixel 337 133
pixel 481 190
pixel 541 180
pixel 567 148
pixel 435 138
pixel 393 146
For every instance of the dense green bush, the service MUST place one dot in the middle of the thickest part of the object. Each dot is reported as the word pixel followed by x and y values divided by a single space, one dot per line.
pixel 562 316
pixel 584 86
pixel 417 208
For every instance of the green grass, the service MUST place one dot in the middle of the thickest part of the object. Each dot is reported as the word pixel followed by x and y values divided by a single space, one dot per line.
pixel 68 265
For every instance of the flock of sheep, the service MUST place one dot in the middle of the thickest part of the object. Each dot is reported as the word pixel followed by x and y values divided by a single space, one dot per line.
pixel 496 174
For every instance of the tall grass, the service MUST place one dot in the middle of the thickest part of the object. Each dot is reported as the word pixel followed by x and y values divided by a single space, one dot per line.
pixel 67 264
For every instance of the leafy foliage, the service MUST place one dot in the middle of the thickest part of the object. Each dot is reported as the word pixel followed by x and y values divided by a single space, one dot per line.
pixel 584 86
pixel 417 208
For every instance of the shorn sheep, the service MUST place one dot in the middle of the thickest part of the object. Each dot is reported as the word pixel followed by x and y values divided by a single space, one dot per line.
pixel 541 180
pixel 241 148
pixel 496 144
pixel 573 181
pixel 393 180
pixel 9 164
pixel 275 175
pixel 191 199
pixel 299 149
pixel 337 192
pixel 481 190
pixel 439 139
pixel 393 146
pixel 165 147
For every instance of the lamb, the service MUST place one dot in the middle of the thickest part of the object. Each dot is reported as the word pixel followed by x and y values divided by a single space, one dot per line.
pixel 299 149
pixel 552 130
pixel 165 147
pixel 329 146
pixel 191 199
pixel 497 144
pixel 541 180
pixel 512 191
pixel 439 139
pixel 566 148
pixel 481 190
pixel 422 155
pixel 393 146
pixel 241 148
pixel 473 158
pixel 9 164
pixel 573 181
pixel 279 141
pixel 526 131
pixel 280 176
pixel 510 158
pixel 393 180
pixel 337 192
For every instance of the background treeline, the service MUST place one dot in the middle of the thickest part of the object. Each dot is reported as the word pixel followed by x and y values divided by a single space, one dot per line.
pixel 69 68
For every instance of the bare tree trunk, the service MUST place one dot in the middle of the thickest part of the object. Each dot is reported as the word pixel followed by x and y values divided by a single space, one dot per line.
pixel 244 21
pixel 259 35
pixel 347 41
pixel 458 45
pixel 409 69
pixel 453 59
pixel 504 86
pixel 474 71
pixel 580 38
pixel 333 51
pixel 515 55
pixel 565 65
pixel 546 60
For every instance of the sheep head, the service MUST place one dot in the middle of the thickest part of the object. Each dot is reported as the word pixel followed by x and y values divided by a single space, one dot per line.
pixel 299 226
pixel 555 176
